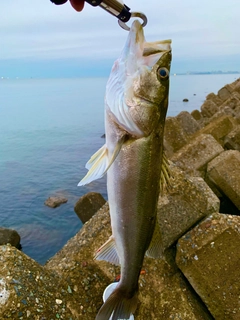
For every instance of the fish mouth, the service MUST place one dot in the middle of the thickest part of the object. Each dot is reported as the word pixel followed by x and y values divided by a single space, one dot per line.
pixel 138 51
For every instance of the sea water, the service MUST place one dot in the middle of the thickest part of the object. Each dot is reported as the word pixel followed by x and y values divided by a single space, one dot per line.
pixel 48 130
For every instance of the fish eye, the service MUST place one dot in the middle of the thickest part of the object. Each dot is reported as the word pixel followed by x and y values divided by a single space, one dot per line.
pixel 163 73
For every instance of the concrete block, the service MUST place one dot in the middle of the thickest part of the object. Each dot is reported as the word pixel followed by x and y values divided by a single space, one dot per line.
pixel 174 134
pixel 188 200
pixel 232 102
pixel 196 114
pixel 209 256
pixel 224 172
pixel 236 85
pixel 10 236
pixel 225 92
pixel 219 128
pixel 232 140
pixel 188 123
pixel 195 155
pixel 88 205
pixel 163 291
pixel 212 96
pixel 209 108
pixel 29 291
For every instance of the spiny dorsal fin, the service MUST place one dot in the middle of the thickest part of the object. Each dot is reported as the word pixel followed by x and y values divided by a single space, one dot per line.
pixel 99 163
pixel 155 248
pixel 108 252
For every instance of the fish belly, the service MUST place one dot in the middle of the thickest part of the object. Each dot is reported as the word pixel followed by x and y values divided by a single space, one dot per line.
pixel 133 189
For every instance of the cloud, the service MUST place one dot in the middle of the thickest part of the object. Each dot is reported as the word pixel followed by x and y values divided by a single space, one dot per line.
pixel 41 31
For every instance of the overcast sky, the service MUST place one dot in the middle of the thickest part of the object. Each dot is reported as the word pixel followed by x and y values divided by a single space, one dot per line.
pixel 38 38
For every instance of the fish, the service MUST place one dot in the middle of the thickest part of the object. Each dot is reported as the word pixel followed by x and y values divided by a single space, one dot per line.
pixel 136 102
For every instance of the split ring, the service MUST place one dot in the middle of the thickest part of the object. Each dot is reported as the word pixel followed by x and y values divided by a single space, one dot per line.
pixel 134 15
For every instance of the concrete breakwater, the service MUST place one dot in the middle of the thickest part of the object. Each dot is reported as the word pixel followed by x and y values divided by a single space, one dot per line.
pixel 198 279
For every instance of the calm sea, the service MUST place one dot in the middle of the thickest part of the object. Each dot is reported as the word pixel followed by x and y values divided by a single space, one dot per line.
pixel 48 130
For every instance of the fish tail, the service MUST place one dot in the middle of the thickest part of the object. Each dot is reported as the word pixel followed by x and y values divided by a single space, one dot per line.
pixel 120 304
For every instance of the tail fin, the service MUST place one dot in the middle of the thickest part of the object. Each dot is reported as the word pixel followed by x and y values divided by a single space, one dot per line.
pixel 120 304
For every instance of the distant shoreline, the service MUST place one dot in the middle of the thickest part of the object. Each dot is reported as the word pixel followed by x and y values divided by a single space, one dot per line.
pixel 204 73
pixel 98 76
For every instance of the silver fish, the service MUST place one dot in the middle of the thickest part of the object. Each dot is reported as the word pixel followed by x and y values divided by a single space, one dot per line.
pixel 136 103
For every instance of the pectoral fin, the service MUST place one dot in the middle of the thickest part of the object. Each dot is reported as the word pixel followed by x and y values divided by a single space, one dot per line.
pixel 117 150
pixel 155 248
pixel 108 252
pixel 97 166
pixel 99 163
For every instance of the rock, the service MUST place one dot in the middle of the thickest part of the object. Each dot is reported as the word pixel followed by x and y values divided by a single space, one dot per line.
pixel 225 92
pixel 196 155
pixel 54 202
pixel 185 100
pixel 188 200
pixel 30 291
pixel 209 257
pixel 188 123
pixel 103 136
pixel 88 205
pixel 208 108
pixel 219 128
pixel 163 291
pixel 174 135
pixel 232 140
pixel 9 236
pixel 224 172
pixel 196 114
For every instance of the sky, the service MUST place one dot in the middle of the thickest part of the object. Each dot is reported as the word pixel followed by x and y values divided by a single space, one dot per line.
pixel 40 39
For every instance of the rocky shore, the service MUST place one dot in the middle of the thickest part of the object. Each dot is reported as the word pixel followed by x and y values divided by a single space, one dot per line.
pixel 198 277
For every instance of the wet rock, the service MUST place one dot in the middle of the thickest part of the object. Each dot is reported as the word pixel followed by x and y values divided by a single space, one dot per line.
pixel 163 291
pixel 174 135
pixel 209 257
pixel 188 123
pixel 54 202
pixel 224 172
pixel 29 291
pixel 196 114
pixel 185 100
pixel 88 205
pixel 9 236
pixel 195 156
pixel 225 92
pixel 208 108
pixel 188 200
pixel 219 128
